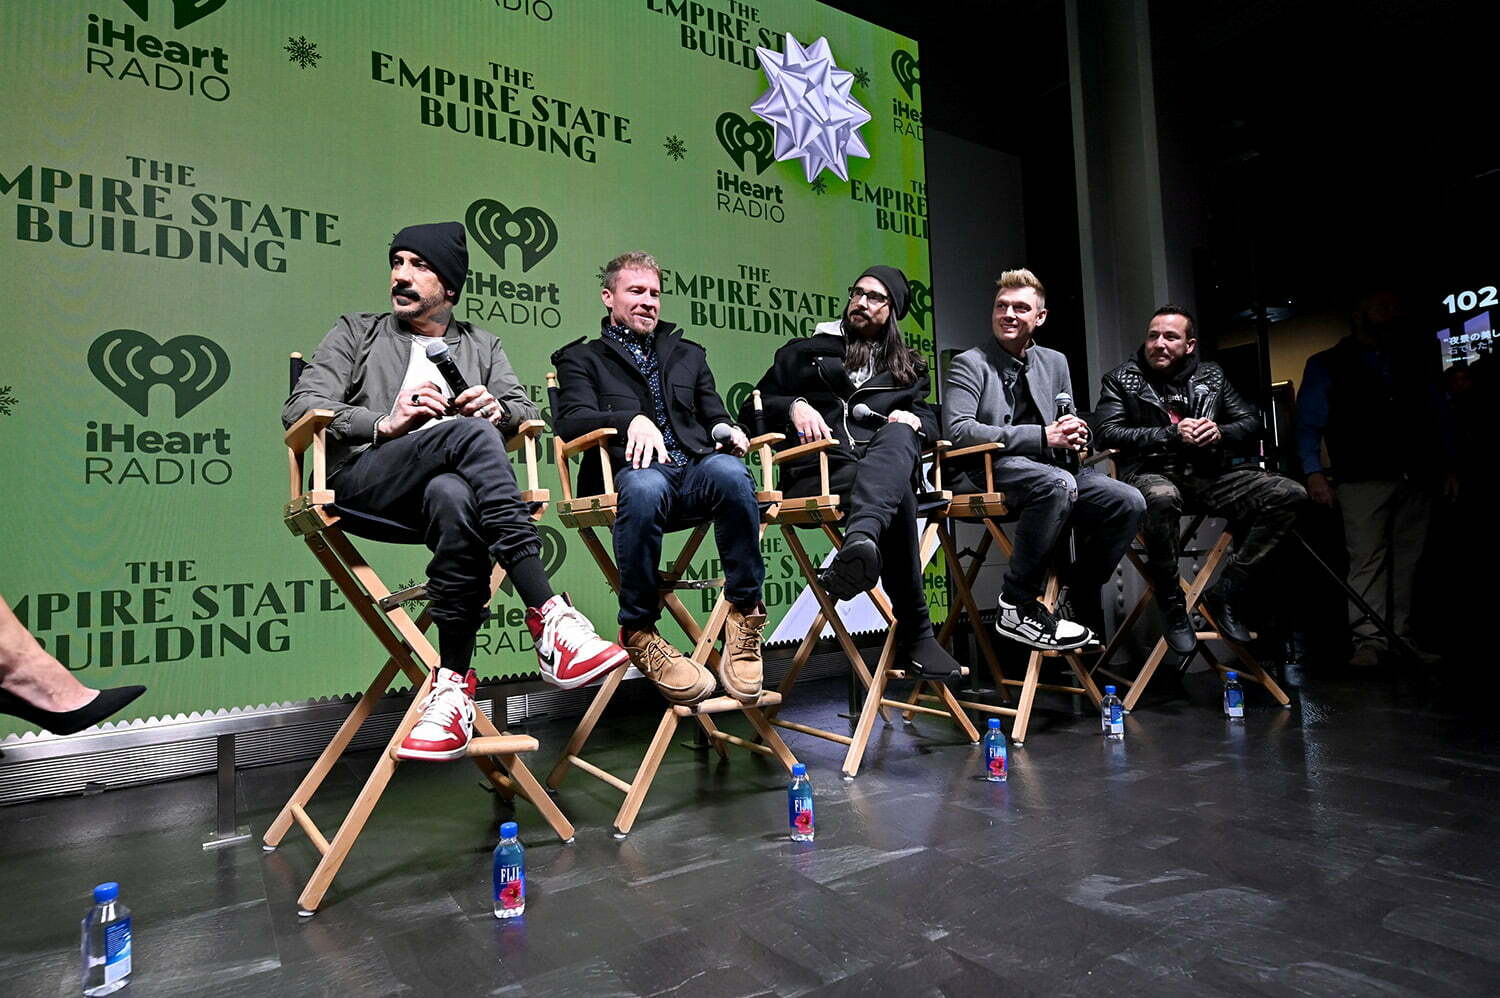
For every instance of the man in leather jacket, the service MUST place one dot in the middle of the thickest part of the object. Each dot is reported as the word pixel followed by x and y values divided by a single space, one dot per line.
pixel 1177 422
pixel 855 381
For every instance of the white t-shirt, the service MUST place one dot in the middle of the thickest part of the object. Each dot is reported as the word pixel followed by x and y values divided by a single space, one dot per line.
pixel 419 371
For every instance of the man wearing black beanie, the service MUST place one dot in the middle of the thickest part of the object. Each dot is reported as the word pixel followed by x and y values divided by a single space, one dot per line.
pixel 407 449
pixel 856 381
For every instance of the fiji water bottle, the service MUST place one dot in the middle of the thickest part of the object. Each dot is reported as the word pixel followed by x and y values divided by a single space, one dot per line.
pixel 1112 716
pixel 799 804
pixel 510 873
pixel 995 755
pixel 106 943
pixel 1234 695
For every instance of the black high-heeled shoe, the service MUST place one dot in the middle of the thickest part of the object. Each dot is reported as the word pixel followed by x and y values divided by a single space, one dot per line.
pixel 67 722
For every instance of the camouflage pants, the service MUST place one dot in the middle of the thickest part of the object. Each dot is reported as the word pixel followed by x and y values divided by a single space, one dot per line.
pixel 1260 508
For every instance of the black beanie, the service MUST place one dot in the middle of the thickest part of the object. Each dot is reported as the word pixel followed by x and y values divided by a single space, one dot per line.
pixel 895 283
pixel 444 246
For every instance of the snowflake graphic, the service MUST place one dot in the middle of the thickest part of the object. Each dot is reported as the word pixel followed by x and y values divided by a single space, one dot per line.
pixel 819 187
pixel 8 400
pixel 675 147
pixel 861 76
pixel 303 52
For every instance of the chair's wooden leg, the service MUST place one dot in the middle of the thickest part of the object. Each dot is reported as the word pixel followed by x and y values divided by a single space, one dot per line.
pixel 641 785
pixel 330 754
pixel 710 729
pixel 527 785
pixel 1075 662
pixel 866 723
pixel 1142 678
pixel 1121 632
pixel 1028 696
pixel 359 813
pixel 964 582
pixel 768 735
pixel 830 613
pixel 960 718
pixel 585 727
pixel 799 661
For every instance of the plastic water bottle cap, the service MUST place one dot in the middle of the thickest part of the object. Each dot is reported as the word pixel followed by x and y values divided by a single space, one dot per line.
pixel 799 769
pixel 1231 675
pixel 1109 691
pixel 509 830
pixel 994 724
pixel 106 892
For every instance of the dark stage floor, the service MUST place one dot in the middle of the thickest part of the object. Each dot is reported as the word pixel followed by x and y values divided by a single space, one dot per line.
pixel 1346 847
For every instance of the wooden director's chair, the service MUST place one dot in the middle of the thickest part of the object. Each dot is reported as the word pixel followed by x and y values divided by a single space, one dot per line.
pixel 585 513
pixel 988 509
pixel 313 515
pixel 1249 667
pixel 823 512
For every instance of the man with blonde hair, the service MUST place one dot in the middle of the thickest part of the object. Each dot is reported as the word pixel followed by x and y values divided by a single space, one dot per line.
pixel 1008 392
pixel 677 453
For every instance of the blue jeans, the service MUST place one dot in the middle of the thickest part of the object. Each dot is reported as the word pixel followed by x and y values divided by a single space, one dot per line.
pixel 665 497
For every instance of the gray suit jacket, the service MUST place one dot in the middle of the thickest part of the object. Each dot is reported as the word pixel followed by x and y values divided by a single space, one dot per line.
pixel 978 394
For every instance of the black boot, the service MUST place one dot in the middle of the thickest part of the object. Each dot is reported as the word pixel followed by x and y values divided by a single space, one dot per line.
pixel 1223 602
pixel 924 658
pixel 854 570
pixel 1176 626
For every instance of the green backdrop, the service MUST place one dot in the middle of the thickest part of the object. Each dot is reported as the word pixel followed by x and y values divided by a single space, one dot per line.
pixel 190 190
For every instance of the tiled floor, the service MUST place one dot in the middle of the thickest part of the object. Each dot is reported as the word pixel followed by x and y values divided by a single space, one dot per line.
pixel 1346 847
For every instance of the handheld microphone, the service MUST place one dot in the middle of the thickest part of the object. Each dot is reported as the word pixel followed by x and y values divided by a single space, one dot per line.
pixel 1201 393
pixel 1064 403
pixel 722 432
pixel 437 352
pixel 866 415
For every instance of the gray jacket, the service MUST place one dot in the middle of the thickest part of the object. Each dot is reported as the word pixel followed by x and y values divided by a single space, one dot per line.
pixel 978 396
pixel 358 369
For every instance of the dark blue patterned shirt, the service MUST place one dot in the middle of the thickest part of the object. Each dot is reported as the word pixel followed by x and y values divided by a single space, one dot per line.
pixel 643 351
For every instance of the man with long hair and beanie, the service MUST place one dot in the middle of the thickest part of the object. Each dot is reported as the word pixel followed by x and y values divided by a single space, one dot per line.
pixel 1006 392
pixel 405 449
pixel 856 381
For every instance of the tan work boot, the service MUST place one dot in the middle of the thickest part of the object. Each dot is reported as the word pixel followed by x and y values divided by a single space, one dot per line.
pixel 740 663
pixel 680 679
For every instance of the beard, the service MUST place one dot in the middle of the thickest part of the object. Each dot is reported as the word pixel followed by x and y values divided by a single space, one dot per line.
pixel 423 306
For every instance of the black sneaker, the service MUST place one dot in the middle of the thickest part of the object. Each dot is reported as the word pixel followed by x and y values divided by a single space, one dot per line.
pixel 1176 626
pixel 926 659
pixel 854 570
pixel 1032 624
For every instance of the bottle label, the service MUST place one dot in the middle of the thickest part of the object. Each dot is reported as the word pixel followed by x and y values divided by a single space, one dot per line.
pixel 1116 719
pixel 801 815
pixel 510 887
pixel 994 759
pixel 117 951
pixel 1234 703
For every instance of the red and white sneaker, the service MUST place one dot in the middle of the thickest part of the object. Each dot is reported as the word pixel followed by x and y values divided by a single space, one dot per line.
pixel 571 653
pixel 447 721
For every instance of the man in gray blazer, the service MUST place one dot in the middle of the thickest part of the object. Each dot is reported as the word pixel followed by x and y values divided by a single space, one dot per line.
pixel 1008 391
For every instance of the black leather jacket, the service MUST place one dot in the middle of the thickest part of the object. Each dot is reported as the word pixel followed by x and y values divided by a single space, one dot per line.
pixel 1132 418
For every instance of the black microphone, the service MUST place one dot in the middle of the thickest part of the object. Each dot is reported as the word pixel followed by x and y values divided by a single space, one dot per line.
pixel 437 352
pixel 1068 457
pixel 1201 394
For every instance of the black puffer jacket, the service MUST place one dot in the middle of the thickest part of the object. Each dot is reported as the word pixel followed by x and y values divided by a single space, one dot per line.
pixel 1132 417
pixel 813 369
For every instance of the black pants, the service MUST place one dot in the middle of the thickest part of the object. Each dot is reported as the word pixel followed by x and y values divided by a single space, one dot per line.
pixel 881 503
pixel 1260 508
pixel 453 483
